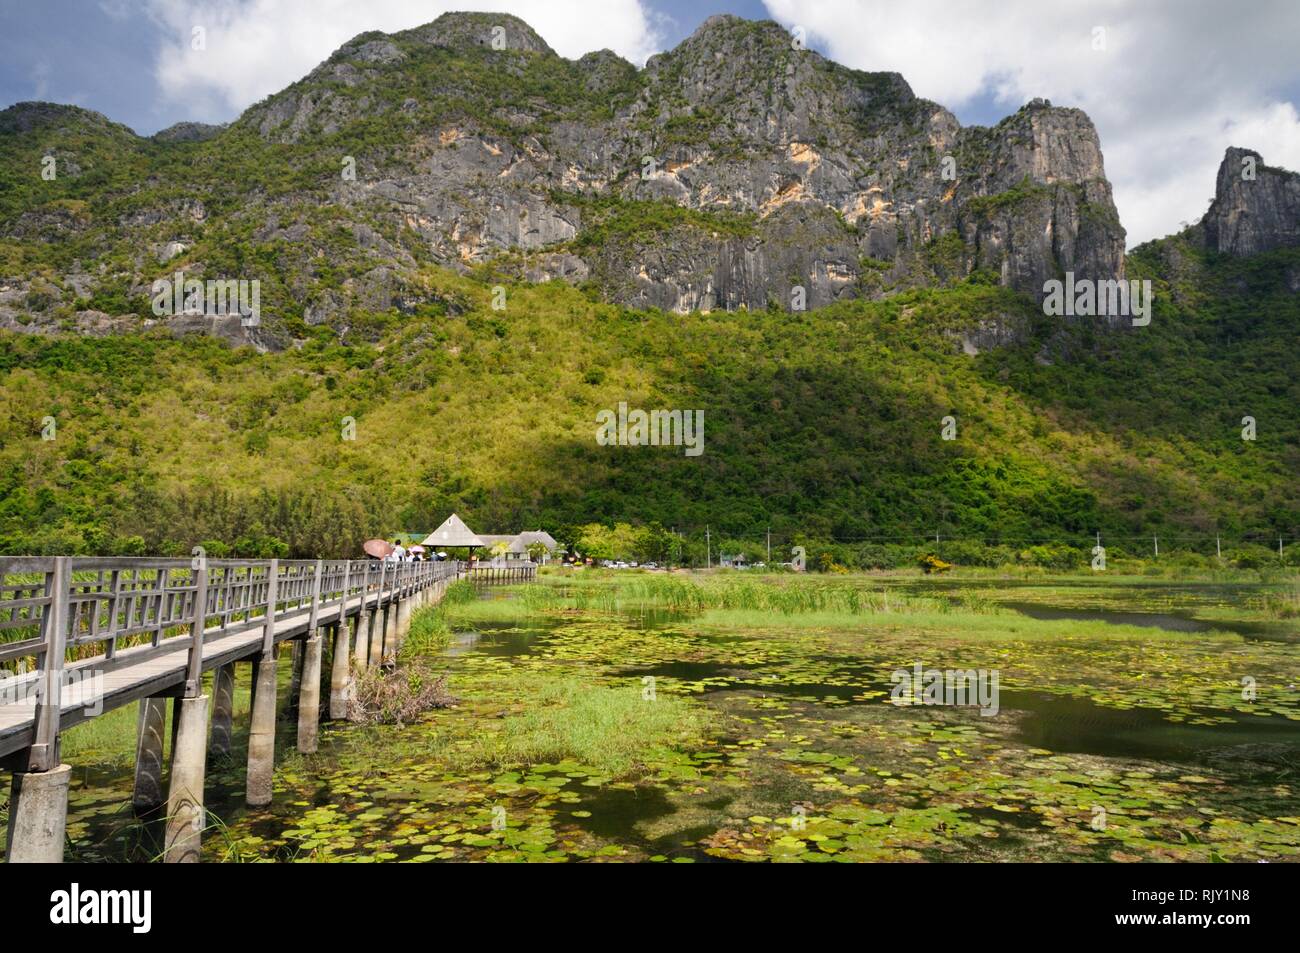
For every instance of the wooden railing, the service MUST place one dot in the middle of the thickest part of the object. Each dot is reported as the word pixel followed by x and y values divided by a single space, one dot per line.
pixel 506 572
pixel 65 612
pixel 148 629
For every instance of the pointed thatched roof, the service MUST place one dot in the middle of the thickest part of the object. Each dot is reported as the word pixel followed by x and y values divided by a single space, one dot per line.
pixel 513 545
pixel 453 532
pixel 527 538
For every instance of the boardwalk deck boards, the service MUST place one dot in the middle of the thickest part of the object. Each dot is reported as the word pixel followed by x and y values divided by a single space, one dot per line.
pixel 79 637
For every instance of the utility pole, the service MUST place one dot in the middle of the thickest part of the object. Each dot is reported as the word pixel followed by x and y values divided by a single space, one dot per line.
pixel 1218 546
pixel 1157 542
pixel 708 548
pixel 769 546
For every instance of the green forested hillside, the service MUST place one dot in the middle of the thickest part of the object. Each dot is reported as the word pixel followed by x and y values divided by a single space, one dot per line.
pixel 475 168
pixel 823 424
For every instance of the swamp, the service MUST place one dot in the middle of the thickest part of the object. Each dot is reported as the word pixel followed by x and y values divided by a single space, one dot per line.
pixel 696 717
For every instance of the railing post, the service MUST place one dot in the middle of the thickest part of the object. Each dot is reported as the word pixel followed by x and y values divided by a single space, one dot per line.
pixel 115 586
pixel 272 591
pixel 54 624
pixel 194 675
pixel 315 598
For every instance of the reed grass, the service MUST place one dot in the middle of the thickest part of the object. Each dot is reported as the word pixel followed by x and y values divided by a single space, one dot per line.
pixel 611 729
pixel 787 598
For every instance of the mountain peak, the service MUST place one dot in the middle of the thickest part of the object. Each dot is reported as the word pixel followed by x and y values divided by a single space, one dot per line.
pixel 493 31
pixel 1256 207
pixel 738 33
pixel 27 116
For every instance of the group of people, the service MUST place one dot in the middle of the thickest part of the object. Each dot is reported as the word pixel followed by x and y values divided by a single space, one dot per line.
pixel 401 554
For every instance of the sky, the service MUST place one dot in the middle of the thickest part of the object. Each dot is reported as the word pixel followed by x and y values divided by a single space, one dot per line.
pixel 1168 83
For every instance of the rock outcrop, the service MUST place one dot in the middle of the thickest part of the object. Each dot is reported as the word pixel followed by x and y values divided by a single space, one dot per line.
pixel 844 183
pixel 1256 208
pixel 188 132
pixel 737 170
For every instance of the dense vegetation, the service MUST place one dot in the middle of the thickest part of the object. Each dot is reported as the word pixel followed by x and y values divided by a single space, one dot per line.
pixel 822 425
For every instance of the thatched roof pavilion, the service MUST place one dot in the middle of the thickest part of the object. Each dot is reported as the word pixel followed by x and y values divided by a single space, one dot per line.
pixel 453 532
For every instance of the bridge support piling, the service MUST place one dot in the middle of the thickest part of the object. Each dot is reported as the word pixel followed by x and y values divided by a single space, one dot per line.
pixel 223 710
pixel 261 734
pixel 309 695
pixel 405 608
pixel 365 633
pixel 38 816
pixel 147 795
pixel 378 635
pixel 295 681
pixel 341 672
pixel 393 631
pixel 185 814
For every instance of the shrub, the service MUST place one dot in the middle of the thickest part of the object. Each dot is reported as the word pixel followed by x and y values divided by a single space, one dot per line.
pixel 389 696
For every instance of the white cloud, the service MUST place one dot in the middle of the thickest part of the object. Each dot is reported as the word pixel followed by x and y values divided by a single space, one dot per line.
pixel 257 47
pixel 1177 82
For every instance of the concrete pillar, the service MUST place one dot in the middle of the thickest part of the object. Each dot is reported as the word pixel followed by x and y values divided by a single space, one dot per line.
pixel 252 685
pixel 390 629
pixel 261 734
pixel 341 673
pixel 361 651
pixel 148 793
pixel 185 816
pixel 223 709
pixel 378 636
pixel 38 816
pixel 400 610
pixel 295 681
pixel 309 697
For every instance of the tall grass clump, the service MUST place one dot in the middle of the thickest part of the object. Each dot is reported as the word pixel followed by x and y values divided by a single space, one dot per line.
pixel 791 598
pixel 610 729
pixel 1282 605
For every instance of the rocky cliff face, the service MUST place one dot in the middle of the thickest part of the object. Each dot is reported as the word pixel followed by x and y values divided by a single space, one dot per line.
pixel 735 171
pixel 1256 208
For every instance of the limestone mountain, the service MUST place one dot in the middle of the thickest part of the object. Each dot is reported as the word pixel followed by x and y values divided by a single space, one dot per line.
pixel 725 174
pixel 1256 207
pixel 381 200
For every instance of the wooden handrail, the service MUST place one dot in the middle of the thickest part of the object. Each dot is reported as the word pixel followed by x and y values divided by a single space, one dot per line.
pixel 100 605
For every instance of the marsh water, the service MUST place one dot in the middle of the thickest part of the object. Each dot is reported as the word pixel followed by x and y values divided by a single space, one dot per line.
pixel 1131 739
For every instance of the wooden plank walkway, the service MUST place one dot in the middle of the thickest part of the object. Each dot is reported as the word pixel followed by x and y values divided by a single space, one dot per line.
pixel 98 684
pixel 100 634
pixel 73 627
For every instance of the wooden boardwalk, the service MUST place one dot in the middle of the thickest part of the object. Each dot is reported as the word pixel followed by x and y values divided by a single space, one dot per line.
pixel 79 637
